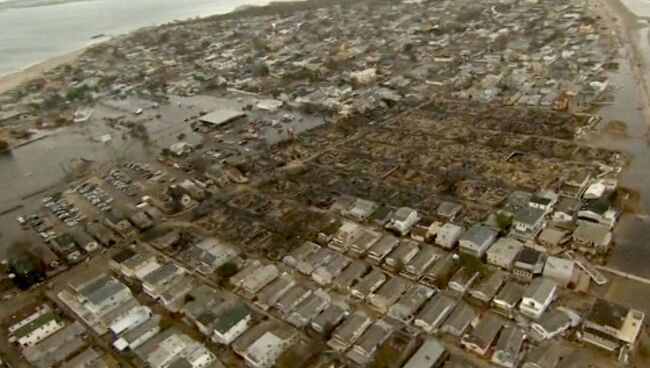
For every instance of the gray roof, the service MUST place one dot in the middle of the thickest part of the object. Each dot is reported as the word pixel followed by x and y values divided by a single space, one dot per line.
pixel 102 289
pixel 529 215
pixel 478 234
pixel 221 116
pixel 427 355
pixel 511 293
pixel 547 355
pixel 459 319
pixel 162 273
pixel 486 330
pixel 540 289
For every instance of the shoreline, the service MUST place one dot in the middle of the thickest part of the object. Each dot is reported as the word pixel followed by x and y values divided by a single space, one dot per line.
pixel 13 80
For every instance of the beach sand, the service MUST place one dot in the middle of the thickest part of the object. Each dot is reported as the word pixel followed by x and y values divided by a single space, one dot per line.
pixel 13 80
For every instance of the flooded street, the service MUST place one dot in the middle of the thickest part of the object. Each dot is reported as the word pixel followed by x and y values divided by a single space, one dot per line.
pixel 37 169
pixel 631 236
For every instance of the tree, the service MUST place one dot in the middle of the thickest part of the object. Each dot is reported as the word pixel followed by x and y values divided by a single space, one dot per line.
pixel 504 221
pixel 226 270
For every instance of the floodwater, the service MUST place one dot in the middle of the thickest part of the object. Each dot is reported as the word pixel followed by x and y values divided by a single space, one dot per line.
pixel 632 236
pixel 30 35
pixel 640 8
pixel 35 170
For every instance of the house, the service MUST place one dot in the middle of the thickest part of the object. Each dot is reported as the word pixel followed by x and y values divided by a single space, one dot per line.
pixel 420 232
pixel 231 324
pixel 382 215
pixel 349 331
pixel 527 223
pixel 325 274
pixel 361 209
pixel 330 318
pixel 171 346
pixel 567 209
pixel 611 326
pixel 368 284
pixel 317 302
pixel 599 211
pixel 312 262
pixel 507 299
pixel 576 184
pixel 459 320
pixel 448 210
pixel 271 293
pixel 291 299
pixel 508 348
pixel 430 355
pixel 263 276
pixel 504 252
pixel 139 335
pixel 552 323
pixel 448 235
pixel 592 237
pixel 388 294
pixel 488 288
pixel 344 236
pixel 251 266
pixel 265 351
pixel 434 313
pixel 544 200
pixel 476 240
pixel 130 320
pixel 408 304
pixel 36 327
pixel 366 346
pixel 402 220
pixel 439 274
pixel 57 347
pixel 157 281
pixel 528 264
pixel 562 271
pixel 208 255
pixel 350 275
pixel 300 253
pixel 537 297
pixel 553 238
pixel 381 249
pixel 103 294
pixel 546 355
pixel 462 280
pixel 134 262
pixel 401 255
pixel 483 335
pixel 363 242
pixel 425 257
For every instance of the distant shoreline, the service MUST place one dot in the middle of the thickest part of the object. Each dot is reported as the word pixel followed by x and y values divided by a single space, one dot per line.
pixel 13 80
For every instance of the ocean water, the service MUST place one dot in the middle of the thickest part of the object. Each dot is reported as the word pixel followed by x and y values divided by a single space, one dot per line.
pixel 31 33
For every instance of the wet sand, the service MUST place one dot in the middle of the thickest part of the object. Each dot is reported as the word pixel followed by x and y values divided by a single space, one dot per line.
pixel 14 80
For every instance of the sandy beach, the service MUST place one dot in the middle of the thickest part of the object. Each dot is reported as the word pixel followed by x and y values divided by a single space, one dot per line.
pixel 13 80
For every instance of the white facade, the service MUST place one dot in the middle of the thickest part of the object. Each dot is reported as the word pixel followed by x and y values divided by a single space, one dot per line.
pixel 36 328
pixel 503 252
pixel 227 337
pixel 264 352
pixel 537 298
pixel 403 220
pixel 448 235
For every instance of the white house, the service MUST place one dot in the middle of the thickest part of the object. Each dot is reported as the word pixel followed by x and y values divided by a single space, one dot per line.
pixel 36 327
pixel 527 223
pixel 231 324
pixel 544 200
pixel 264 352
pixel 448 235
pixel 131 319
pixel 403 220
pixel 537 297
